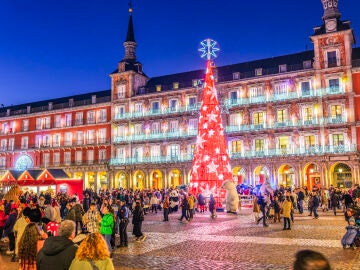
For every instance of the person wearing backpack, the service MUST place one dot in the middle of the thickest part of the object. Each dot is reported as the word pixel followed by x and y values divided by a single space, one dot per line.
pixel 123 217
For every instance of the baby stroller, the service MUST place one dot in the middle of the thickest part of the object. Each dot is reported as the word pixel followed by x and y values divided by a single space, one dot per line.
pixel 349 240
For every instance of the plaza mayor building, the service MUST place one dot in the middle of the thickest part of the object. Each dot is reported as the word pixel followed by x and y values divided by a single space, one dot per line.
pixel 291 119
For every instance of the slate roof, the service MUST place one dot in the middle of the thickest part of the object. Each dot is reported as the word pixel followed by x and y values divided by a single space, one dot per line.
pixel 80 99
pixel 35 173
pixel 15 173
pixel 58 173
pixel 130 33
pixel 225 73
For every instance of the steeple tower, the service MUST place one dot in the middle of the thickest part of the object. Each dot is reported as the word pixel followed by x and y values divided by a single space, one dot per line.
pixel 331 15
pixel 130 44
pixel 129 61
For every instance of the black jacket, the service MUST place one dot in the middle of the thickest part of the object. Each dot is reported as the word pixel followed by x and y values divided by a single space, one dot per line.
pixel 56 254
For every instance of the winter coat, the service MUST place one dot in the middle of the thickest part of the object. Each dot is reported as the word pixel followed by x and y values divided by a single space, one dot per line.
pixel 138 214
pixel 287 206
pixel 316 201
pixel 301 196
pixel 105 264
pixel 3 219
pixel 56 254
pixel 9 224
pixel 107 224
pixel 79 212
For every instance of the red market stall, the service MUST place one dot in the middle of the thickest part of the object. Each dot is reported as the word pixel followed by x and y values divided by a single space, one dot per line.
pixel 41 180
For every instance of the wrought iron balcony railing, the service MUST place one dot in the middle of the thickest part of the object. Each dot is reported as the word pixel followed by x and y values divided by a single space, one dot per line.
pixel 251 154
pixel 229 103
pixel 167 111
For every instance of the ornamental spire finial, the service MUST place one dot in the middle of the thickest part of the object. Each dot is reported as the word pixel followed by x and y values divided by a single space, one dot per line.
pixel 331 10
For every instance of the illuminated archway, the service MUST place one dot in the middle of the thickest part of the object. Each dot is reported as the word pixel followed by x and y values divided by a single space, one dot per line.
pixel 103 180
pixel 312 176
pixel 286 175
pixel 156 179
pixel 139 180
pixel 260 174
pixel 121 180
pixel 239 175
pixel 175 178
pixel 341 175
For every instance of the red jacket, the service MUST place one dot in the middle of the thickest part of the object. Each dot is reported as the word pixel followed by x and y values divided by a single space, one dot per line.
pixel 3 218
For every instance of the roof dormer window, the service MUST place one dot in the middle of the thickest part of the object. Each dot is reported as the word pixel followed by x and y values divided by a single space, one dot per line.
pixel 307 64
pixel 258 72
pixel 236 76
pixel 282 68
pixel 158 88
pixel 175 85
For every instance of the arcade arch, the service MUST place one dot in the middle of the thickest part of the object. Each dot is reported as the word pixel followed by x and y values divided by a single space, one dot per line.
pixel 341 175
pixel 261 173
pixel 286 175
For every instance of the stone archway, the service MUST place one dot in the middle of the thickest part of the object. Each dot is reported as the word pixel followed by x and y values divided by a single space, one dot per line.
pixel 312 175
pixel 156 178
pixel 121 180
pixel 175 178
pixel 139 180
pixel 286 175
pixel 261 173
pixel 239 175
pixel 341 175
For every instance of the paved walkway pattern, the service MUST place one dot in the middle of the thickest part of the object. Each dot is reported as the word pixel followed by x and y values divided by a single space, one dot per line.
pixel 231 242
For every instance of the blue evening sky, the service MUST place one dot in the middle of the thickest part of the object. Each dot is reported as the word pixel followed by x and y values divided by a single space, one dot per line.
pixel 56 48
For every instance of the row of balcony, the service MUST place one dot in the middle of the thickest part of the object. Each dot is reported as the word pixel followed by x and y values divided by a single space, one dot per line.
pixel 55 145
pixel 284 124
pixel 155 112
pixel 265 153
pixel 229 103
pixel 59 164
pixel 231 129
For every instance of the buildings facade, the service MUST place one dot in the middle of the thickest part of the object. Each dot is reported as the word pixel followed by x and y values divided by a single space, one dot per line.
pixel 290 119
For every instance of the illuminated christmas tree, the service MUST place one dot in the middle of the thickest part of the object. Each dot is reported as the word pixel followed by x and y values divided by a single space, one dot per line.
pixel 211 163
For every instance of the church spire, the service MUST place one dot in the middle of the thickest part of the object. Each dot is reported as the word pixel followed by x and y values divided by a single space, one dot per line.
pixel 130 33
pixel 130 44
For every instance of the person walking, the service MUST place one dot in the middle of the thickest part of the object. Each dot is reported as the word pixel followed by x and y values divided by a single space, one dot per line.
pixel 191 202
pixel 123 218
pixel 300 199
pixel 107 225
pixel 315 205
pixel 262 204
pixel 138 218
pixel 212 204
pixel 287 207
pixel 92 254
pixel 184 208
pixel 166 205
pixel 154 203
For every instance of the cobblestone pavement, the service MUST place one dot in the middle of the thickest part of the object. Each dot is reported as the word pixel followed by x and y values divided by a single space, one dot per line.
pixel 230 242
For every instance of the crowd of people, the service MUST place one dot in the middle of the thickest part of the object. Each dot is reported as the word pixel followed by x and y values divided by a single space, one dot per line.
pixel 49 231
pixel 283 202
